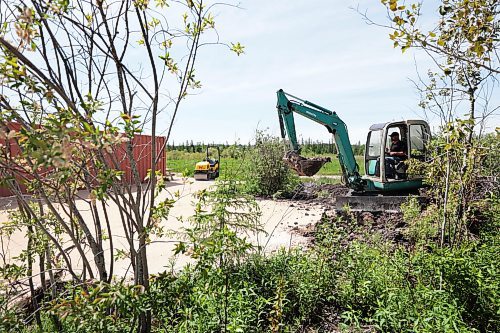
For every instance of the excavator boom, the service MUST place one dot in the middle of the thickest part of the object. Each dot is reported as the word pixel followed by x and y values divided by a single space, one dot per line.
pixel 287 106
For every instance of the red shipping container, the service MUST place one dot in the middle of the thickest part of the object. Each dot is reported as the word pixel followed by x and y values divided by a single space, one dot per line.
pixel 141 151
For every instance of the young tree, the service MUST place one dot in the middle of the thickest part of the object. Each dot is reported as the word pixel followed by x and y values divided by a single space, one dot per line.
pixel 467 32
pixel 464 45
pixel 82 78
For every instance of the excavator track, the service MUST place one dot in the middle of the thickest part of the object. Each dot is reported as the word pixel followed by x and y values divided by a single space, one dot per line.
pixel 375 202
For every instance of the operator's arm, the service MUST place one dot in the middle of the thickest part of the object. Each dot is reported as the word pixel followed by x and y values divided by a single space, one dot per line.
pixel 399 150
pixel 397 153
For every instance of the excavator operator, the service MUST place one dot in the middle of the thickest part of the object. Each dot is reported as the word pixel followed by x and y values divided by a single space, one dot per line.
pixel 398 148
pixel 395 167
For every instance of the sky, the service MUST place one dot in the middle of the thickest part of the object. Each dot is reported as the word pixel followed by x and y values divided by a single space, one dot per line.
pixel 320 50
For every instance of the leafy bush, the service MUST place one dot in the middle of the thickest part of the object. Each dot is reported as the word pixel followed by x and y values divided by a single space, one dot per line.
pixel 381 289
pixel 266 173
pixel 305 280
pixel 423 226
pixel 10 317
pixel 490 165
pixel 284 290
pixel 99 308
pixel 443 290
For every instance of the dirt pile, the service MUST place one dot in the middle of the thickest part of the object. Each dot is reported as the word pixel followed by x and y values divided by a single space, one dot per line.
pixel 486 186
pixel 356 226
pixel 334 190
pixel 304 166
pixel 353 225
pixel 323 193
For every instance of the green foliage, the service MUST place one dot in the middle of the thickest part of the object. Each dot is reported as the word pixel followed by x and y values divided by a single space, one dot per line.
pixel 217 240
pixel 367 282
pixel 491 143
pixel 266 173
pixel 438 291
pixel 101 307
pixel 418 287
pixel 11 319
pixel 284 290
pixel 422 225
pixel 375 289
pixel 223 292
pixel 222 215
pixel 305 279
pixel 237 48
pixel 455 168
pixel 467 32
pixel 468 274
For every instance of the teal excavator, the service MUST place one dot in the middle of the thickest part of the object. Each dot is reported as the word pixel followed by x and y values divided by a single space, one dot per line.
pixel 385 185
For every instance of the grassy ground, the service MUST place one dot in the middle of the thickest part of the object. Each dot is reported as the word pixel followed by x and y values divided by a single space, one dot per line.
pixel 333 168
pixel 228 166
pixel 185 162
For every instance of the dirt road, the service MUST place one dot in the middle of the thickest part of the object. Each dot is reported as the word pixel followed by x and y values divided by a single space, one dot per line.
pixel 280 219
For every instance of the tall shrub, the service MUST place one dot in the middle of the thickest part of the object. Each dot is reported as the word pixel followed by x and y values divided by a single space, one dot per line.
pixel 266 174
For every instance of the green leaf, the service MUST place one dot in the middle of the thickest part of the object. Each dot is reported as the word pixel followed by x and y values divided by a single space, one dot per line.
pixel 237 48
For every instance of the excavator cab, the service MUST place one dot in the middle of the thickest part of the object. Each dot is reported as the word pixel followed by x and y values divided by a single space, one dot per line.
pixel 388 173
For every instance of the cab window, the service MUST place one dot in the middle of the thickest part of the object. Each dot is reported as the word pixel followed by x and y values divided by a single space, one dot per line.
pixel 374 143
pixel 372 156
pixel 418 139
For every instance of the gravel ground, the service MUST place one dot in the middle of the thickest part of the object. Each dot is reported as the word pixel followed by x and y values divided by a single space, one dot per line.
pixel 280 219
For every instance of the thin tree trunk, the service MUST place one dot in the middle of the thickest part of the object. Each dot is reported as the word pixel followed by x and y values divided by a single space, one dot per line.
pixel 445 204
pixel 53 287
pixel 29 249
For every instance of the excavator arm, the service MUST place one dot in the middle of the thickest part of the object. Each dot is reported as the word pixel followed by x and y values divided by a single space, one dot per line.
pixel 288 105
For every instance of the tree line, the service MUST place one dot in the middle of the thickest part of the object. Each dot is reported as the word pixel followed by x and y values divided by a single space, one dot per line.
pixel 308 146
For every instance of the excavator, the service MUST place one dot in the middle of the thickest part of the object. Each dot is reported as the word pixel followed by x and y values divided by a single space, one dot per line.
pixel 386 185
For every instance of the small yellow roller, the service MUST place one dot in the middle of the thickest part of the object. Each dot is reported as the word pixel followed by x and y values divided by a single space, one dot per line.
pixel 208 168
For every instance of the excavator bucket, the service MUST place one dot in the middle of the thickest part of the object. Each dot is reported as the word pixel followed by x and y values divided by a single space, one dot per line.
pixel 304 166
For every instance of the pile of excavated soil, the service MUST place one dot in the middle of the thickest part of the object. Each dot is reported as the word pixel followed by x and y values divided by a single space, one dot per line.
pixel 322 193
pixel 390 226
pixel 357 225
pixel 334 190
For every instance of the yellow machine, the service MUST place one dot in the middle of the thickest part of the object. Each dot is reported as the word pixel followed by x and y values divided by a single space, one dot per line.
pixel 208 168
